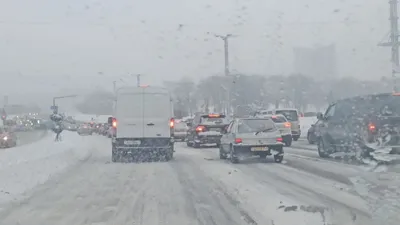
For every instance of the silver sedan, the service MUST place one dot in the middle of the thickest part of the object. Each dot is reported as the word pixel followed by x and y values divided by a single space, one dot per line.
pixel 251 136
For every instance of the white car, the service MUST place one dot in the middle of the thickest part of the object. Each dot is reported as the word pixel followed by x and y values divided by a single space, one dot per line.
pixel 251 136
pixel 180 131
pixel 284 126
pixel 143 123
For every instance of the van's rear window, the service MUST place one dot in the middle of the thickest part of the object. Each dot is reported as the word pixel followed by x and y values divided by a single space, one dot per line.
pixel 290 115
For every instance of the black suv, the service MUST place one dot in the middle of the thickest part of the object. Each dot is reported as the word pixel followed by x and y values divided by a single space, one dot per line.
pixel 360 124
pixel 206 129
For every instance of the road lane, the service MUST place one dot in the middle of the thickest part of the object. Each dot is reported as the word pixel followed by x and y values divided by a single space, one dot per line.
pixel 195 188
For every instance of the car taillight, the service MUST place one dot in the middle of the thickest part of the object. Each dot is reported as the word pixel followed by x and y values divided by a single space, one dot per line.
pixel 238 140
pixel 371 127
pixel 279 139
pixel 200 129
pixel 171 123
pixel 287 125
pixel 114 123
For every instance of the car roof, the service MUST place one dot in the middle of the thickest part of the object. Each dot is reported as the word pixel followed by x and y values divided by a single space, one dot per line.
pixel 363 97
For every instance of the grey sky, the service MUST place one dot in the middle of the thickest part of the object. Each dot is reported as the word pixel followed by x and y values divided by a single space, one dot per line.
pixel 66 43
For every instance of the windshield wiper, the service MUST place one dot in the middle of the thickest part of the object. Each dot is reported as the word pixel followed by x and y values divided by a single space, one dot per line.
pixel 268 129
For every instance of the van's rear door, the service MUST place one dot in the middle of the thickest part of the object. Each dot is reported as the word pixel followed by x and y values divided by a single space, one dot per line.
pixel 157 112
pixel 129 113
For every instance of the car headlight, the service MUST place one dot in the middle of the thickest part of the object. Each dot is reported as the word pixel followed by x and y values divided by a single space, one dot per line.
pixel 5 138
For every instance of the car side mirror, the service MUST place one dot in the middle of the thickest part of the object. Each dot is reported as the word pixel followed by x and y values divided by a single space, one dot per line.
pixel 320 116
pixel 110 120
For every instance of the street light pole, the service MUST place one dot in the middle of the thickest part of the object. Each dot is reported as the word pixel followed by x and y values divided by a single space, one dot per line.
pixel 226 59
pixel 393 42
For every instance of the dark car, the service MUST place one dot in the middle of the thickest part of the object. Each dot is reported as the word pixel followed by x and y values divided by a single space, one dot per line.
pixel 206 129
pixel 363 123
pixel 312 133
pixel 7 139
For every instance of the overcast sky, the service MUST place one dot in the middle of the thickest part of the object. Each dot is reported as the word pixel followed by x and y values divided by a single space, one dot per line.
pixel 56 44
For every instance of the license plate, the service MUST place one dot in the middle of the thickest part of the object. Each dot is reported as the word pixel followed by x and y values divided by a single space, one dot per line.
pixel 132 142
pixel 256 149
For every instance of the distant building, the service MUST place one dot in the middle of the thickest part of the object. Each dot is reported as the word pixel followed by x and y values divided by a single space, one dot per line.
pixel 316 62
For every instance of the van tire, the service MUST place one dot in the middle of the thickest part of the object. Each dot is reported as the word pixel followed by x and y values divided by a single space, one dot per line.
pixel 196 145
pixel 114 157
pixel 295 138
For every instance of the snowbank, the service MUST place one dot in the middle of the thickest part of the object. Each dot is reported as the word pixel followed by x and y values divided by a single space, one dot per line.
pixel 24 167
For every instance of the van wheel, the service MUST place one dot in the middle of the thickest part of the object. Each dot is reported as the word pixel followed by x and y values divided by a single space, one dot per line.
pixel 169 156
pixel 196 145
pixel 114 157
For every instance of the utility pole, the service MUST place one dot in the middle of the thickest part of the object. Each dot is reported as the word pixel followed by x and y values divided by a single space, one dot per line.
pixel 115 86
pixel 226 58
pixel 393 42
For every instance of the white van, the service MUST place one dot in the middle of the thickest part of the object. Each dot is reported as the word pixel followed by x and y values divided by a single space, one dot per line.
pixel 143 123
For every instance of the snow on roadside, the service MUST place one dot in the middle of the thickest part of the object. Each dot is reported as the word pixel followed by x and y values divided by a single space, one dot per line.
pixel 25 167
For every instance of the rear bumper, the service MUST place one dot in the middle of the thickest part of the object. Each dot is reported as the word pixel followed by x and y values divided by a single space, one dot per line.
pixel 272 149
pixel 205 139
pixel 296 133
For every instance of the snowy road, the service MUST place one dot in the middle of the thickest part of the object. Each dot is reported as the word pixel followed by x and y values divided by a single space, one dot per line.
pixel 29 136
pixel 198 188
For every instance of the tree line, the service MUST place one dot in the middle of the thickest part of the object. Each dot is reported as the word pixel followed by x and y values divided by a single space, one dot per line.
pixel 241 93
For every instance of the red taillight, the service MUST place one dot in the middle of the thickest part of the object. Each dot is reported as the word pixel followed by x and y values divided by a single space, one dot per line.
pixel 171 123
pixel 279 139
pixel 238 140
pixel 371 127
pixel 200 129
pixel 114 123
pixel 287 125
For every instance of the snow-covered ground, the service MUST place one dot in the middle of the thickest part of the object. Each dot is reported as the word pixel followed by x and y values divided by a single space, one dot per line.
pixel 24 167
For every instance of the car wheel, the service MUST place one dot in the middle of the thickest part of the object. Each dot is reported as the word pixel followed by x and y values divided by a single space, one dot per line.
pixel 278 158
pixel 263 156
pixel 222 154
pixel 189 144
pixel 288 142
pixel 309 139
pixel 196 145
pixel 295 138
pixel 232 156
pixel 322 149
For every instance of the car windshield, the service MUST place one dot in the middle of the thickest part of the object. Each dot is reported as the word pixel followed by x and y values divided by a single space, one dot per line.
pixel 148 68
pixel 255 125
pixel 291 115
